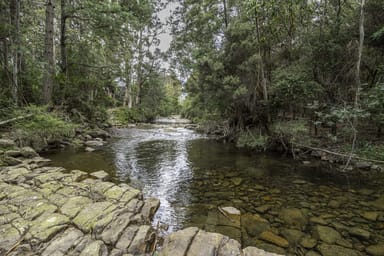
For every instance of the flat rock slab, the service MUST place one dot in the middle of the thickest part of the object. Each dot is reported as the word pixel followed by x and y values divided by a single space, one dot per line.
pixel 195 242
pixel 102 175
pixel 50 211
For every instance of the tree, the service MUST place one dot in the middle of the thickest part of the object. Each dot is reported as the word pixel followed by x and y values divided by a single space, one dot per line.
pixel 15 42
pixel 49 72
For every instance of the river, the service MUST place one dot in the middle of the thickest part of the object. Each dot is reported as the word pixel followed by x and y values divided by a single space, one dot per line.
pixel 193 175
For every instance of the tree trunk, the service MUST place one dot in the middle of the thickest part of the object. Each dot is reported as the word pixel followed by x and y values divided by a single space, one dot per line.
pixel 49 71
pixel 360 53
pixel 128 86
pixel 63 32
pixel 15 43
pixel 225 13
pixel 139 69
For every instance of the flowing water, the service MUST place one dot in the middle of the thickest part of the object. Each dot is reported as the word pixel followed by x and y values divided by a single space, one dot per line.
pixel 193 175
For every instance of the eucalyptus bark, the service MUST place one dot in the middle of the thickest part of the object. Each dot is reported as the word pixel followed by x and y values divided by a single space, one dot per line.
pixel 63 36
pixel 128 86
pixel 49 69
pixel 15 43
pixel 360 53
pixel 139 71
pixel 226 22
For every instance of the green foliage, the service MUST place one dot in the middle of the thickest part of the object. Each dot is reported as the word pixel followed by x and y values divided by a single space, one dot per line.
pixel 252 139
pixel 43 127
pixel 294 129
pixel 124 115
pixel 374 103
pixel 294 85
pixel 371 151
pixel 43 122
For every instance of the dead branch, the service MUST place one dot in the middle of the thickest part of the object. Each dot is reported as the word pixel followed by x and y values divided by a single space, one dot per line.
pixel 15 119
pixel 339 154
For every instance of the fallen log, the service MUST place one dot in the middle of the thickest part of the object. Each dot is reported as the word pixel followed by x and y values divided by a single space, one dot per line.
pixel 15 119
pixel 339 154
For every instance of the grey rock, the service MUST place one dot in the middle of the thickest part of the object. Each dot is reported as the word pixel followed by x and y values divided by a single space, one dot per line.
pixel 11 160
pixel 272 238
pixel 89 149
pixel 13 153
pixel 113 230
pixel 5 143
pixel 335 250
pixel 253 251
pixel 141 243
pixel 229 247
pixel 63 242
pixel 48 225
pixel 326 234
pixel 293 217
pixel 312 253
pixel 375 250
pixel 363 165
pixel 101 175
pixel 95 248
pixel 360 233
pixel 292 235
pixel 28 152
pixel 8 236
pixel 379 203
pixel 126 238
pixel 372 216
pixel 205 243
pixel 318 220
pixel 94 143
pixel 150 207
pixel 308 242
pixel 254 224
pixel 178 243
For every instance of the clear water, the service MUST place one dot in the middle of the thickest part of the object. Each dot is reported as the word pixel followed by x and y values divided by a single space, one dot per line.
pixel 193 175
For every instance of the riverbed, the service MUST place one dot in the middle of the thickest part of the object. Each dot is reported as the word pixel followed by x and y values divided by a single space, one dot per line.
pixel 193 176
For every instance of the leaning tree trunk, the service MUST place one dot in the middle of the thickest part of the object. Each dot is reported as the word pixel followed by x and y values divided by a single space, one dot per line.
pixel 49 71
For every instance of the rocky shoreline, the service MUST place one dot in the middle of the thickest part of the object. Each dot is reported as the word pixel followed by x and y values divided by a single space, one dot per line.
pixel 52 211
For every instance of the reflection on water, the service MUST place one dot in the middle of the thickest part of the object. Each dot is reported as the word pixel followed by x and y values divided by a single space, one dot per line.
pixel 192 176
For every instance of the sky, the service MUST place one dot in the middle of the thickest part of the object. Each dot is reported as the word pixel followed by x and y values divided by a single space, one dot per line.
pixel 166 38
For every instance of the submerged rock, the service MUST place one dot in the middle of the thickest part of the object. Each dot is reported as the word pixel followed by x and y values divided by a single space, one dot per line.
pixel 254 224
pixel 272 238
pixel 326 234
pixel 360 233
pixel 292 235
pixel 293 217
pixel 308 242
pixel 379 203
pixel 335 250
pixel 375 250
pixel 231 212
